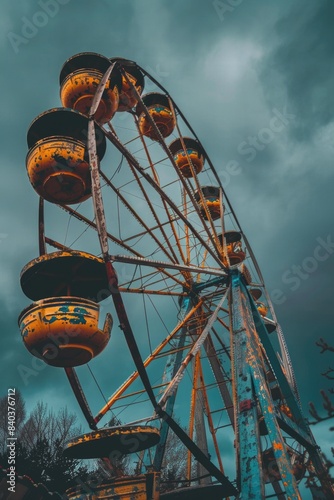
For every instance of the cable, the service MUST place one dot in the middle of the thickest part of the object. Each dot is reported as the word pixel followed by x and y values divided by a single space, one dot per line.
pixel 103 396
pixel 146 321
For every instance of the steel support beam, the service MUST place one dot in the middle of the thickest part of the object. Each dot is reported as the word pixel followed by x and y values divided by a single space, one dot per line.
pixel 251 390
pixel 172 366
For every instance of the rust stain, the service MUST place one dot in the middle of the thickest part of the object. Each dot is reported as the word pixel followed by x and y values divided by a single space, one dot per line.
pixel 277 446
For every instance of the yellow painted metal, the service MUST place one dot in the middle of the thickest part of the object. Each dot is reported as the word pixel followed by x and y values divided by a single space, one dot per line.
pixel 112 442
pixel 160 110
pixel 236 254
pixel 58 170
pixel 188 155
pixel 163 118
pixel 262 308
pixel 182 161
pixel 63 331
pixel 170 219
pixel 214 208
pixel 78 89
pixel 141 487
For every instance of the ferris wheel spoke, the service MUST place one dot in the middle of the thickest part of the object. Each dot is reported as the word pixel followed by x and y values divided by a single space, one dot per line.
pixel 112 238
pixel 160 224
pixel 147 362
pixel 137 217
pixel 205 398
pixel 166 265
pixel 211 231
pixel 170 219
pixel 156 178
pixel 163 195
pixel 222 379
pixel 187 187
pixel 194 350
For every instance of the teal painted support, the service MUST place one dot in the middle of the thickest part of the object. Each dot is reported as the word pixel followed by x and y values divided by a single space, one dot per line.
pixel 276 365
pixel 249 474
pixel 251 387
pixel 173 364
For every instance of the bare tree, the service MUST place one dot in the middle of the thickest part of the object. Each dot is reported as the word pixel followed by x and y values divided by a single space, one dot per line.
pixel 55 428
pixel 40 443
pixel 174 465
pixel 327 403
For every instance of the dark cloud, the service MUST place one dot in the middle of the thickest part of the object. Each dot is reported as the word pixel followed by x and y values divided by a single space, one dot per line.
pixel 299 65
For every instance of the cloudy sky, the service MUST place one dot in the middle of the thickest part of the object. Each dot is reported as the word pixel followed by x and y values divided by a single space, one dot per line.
pixel 256 82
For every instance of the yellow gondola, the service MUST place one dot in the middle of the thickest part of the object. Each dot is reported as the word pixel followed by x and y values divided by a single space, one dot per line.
pixel 262 308
pixel 63 331
pixel 79 79
pixel 235 252
pixel 159 109
pixel 211 195
pixel 188 158
pixel 57 160
pixel 61 326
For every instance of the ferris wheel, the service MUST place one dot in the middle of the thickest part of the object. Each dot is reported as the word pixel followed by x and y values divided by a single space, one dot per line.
pixel 166 247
